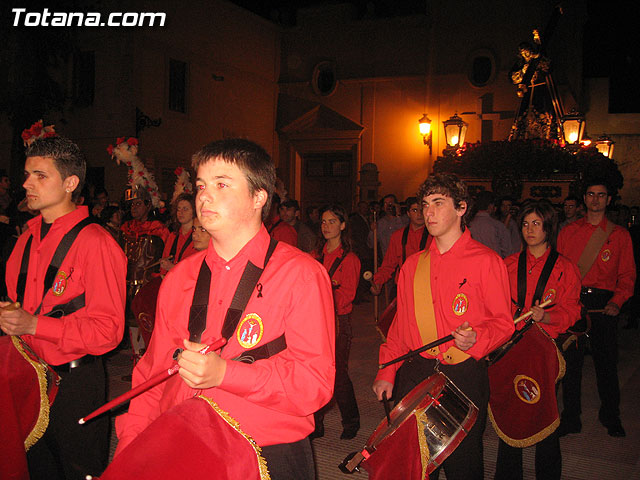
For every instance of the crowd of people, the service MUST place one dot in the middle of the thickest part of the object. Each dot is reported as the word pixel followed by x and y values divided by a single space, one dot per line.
pixel 236 265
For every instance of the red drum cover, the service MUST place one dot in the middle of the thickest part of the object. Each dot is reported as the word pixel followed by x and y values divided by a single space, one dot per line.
pixel 24 405
pixel 143 307
pixel 193 440
pixel 522 407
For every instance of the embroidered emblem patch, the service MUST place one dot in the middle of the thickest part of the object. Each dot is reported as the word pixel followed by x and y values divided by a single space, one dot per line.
pixel 549 295
pixel 527 389
pixel 250 331
pixel 59 283
pixel 460 304
pixel 606 255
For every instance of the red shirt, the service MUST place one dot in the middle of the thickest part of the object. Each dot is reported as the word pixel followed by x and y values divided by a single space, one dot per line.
pixel 563 286
pixel 283 232
pixel 393 256
pixel 136 228
pixel 614 268
pixel 273 399
pixel 95 265
pixel 344 280
pixel 467 270
pixel 181 239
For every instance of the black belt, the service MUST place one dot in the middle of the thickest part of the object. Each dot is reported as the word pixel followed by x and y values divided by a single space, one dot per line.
pixel 67 367
pixel 595 298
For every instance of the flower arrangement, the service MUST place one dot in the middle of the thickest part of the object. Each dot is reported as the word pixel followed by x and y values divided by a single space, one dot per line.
pixel 126 151
pixel 36 131
pixel 183 183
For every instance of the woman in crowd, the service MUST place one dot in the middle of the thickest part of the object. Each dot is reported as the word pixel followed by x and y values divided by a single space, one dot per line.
pixel 343 267
pixel 179 244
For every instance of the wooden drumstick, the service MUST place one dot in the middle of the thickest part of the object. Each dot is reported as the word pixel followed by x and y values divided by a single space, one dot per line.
pixel 155 264
pixel 368 276
pixel 11 307
pixel 530 312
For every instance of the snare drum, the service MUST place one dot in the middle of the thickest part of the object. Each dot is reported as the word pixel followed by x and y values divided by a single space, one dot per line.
pixel 426 427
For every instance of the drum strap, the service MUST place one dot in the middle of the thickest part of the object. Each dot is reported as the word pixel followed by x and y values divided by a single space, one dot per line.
pixel 542 280
pixel 591 250
pixel 58 257
pixel 174 247
pixel 248 282
pixel 273 227
pixel 425 314
pixel 336 263
pixel 405 239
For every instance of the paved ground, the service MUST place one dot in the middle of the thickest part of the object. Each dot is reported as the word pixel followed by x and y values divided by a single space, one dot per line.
pixel 591 454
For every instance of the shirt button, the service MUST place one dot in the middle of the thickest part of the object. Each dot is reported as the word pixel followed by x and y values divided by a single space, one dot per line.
pixel 227 267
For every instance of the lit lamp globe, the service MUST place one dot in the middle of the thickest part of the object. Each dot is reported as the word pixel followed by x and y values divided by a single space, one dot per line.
pixel 455 130
pixel 605 145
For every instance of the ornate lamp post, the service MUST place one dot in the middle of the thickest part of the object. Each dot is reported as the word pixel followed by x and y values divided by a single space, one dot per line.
pixel 425 130
pixel 455 130
pixel 605 145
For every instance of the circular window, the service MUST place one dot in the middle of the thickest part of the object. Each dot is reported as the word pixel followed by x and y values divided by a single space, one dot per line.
pixel 481 68
pixel 324 80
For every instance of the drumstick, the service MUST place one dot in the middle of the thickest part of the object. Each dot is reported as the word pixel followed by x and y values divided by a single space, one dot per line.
pixel 11 307
pixel 376 307
pixel 448 338
pixel 151 382
pixel 157 263
pixel 368 276
pixel 387 407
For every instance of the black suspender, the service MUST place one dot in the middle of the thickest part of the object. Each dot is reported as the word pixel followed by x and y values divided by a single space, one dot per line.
pixel 336 263
pixel 405 239
pixel 273 227
pixel 248 281
pixel 54 266
pixel 174 247
pixel 542 281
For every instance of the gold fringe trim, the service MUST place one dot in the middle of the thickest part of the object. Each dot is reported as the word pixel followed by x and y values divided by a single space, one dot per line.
pixel 525 442
pixel 233 423
pixel 545 432
pixel 425 455
pixel 43 414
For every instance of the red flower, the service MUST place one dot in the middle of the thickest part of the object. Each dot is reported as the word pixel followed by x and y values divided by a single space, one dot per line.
pixel 132 141
pixel 26 134
pixel 110 150
pixel 141 174
pixel 48 134
pixel 178 171
pixel 120 140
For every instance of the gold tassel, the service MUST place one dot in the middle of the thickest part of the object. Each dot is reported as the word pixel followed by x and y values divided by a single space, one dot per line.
pixel 233 423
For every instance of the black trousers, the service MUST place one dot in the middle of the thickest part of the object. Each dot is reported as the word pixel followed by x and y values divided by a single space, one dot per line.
pixel 343 388
pixel 466 461
pixel 287 461
pixel 548 461
pixel 603 339
pixel 68 450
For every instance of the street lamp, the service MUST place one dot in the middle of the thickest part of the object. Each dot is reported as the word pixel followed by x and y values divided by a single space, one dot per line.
pixel 605 145
pixel 573 128
pixel 425 130
pixel 455 130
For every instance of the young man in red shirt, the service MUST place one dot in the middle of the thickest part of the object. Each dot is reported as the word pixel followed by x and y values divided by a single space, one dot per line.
pixel 469 285
pixel 274 398
pixel 68 334
pixel 608 278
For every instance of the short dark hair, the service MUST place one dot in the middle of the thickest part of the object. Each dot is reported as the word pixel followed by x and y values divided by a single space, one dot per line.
pixel 545 210
pixel 291 204
pixel 66 156
pixel 450 185
pixel 574 198
pixel 410 201
pixel 252 160
pixel 341 213
pixel 484 199
pixel 390 195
